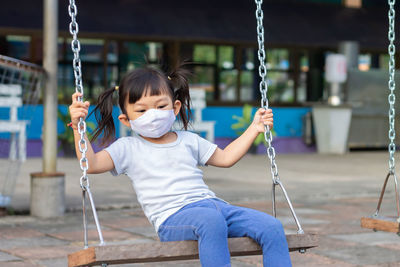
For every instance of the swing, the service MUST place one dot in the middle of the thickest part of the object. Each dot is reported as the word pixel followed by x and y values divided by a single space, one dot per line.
pixel 178 250
pixel 377 222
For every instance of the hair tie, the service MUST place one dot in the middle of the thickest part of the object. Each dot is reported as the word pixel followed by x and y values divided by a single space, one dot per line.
pixel 116 88
pixel 169 78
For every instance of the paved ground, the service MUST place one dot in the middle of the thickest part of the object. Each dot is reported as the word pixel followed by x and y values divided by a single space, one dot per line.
pixel 330 194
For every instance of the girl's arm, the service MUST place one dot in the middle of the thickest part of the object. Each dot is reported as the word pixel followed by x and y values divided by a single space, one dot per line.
pixel 98 162
pixel 236 150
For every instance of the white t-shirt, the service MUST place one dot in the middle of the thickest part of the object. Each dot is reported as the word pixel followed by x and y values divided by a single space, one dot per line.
pixel 164 176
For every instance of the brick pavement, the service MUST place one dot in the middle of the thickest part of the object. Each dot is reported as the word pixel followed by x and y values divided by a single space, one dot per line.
pixel 330 195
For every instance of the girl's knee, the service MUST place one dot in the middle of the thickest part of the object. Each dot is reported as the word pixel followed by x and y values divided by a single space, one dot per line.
pixel 277 224
pixel 272 230
pixel 213 222
pixel 267 221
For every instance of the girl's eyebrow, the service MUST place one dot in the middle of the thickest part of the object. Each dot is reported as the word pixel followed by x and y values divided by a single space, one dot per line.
pixel 163 98
pixel 139 104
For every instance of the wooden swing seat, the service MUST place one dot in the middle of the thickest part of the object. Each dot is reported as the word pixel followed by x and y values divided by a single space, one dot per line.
pixel 381 223
pixel 173 251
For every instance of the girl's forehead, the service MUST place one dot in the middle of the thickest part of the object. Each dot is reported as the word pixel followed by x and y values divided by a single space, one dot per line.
pixel 148 99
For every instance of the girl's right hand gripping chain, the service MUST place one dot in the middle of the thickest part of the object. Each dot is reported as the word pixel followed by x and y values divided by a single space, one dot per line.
pixel 78 110
pixel 99 162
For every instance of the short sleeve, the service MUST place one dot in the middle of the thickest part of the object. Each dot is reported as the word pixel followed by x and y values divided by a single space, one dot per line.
pixel 119 154
pixel 206 150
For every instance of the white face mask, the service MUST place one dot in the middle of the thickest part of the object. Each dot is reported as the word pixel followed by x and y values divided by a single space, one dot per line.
pixel 154 123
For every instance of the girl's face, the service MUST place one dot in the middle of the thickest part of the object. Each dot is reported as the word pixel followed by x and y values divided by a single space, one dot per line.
pixel 147 102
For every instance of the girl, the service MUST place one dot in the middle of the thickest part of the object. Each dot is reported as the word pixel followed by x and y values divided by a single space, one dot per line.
pixel 162 165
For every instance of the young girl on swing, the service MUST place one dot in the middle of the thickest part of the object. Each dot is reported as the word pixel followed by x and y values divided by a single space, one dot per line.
pixel 162 165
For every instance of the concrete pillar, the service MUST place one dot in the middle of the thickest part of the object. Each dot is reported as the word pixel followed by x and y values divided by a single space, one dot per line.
pixel 50 57
pixel 47 188
pixel 351 50
pixel 47 195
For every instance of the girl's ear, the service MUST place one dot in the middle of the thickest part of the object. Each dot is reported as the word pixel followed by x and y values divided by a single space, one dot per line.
pixel 124 119
pixel 177 107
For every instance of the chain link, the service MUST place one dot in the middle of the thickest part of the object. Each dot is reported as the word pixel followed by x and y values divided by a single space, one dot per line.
pixel 262 71
pixel 77 67
pixel 392 86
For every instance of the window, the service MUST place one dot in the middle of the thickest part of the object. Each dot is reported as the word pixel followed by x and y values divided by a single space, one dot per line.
pixel 204 69
pixel 301 90
pixel 384 61
pixel 364 62
pixel 136 54
pixel 279 79
pixel 112 70
pixel 204 54
pixel 277 59
pixel 91 50
pixel 92 57
pixel 248 79
pixel 18 47
pixel 204 79
pixel 154 52
pixel 228 74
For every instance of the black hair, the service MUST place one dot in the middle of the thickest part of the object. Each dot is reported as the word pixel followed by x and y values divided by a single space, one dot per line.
pixel 134 85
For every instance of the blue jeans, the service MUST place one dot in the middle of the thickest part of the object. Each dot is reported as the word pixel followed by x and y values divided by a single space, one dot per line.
pixel 212 221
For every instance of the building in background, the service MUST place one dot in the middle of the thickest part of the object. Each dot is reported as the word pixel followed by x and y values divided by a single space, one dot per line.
pixel 217 37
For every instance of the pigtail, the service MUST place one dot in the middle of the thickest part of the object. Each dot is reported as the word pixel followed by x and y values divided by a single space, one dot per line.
pixel 179 82
pixel 103 115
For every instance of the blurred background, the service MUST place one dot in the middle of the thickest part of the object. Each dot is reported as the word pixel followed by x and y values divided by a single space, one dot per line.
pixel 327 74
pixel 219 37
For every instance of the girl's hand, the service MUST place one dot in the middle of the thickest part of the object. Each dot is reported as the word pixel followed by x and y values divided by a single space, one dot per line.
pixel 78 110
pixel 263 117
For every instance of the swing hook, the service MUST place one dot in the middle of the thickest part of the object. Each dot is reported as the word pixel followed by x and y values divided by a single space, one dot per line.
pixel 84 182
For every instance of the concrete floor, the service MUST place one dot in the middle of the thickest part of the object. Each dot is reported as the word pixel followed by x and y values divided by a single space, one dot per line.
pixel 329 192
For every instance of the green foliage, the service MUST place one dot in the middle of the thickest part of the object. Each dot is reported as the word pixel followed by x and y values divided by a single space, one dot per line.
pixel 226 54
pixel 204 53
pixel 67 137
pixel 244 122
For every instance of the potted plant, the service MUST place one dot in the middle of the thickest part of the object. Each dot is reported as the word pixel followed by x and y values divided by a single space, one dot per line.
pixel 243 123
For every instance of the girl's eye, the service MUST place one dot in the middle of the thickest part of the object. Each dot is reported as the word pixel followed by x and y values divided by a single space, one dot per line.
pixel 162 106
pixel 142 110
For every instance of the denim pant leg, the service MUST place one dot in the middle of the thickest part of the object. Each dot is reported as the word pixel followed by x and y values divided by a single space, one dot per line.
pixel 265 229
pixel 200 221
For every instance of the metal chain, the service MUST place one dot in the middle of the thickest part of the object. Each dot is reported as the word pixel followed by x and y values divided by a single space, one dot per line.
pixel 392 86
pixel 262 71
pixel 77 67
pixel 83 162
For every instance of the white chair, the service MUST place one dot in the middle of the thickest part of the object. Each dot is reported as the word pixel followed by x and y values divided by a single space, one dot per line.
pixel 10 97
pixel 198 103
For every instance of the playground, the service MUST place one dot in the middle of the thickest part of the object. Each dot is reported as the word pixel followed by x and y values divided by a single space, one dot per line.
pixel 330 195
pixel 332 134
